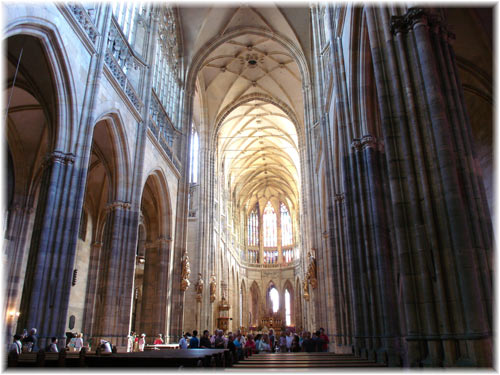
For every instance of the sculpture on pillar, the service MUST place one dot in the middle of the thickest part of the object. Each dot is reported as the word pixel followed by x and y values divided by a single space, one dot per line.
pixel 213 287
pixel 311 271
pixel 305 286
pixel 199 287
pixel 186 271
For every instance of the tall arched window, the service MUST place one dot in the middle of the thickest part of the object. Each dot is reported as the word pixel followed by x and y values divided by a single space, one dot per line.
pixel 286 226
pixel 270 222
pixel 275 299
pixel 253 227
pixel 193 178
pixel 288 311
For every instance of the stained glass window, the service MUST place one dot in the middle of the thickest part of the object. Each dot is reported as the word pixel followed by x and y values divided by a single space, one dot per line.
pixel 270 223
pixel 286 226
pixel 253 227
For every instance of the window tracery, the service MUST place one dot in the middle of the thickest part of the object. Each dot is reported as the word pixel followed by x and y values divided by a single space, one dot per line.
pixel 270 224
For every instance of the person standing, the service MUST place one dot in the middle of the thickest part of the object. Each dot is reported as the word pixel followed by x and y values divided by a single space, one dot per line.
pixel 205 341
pixel 194 343
pixel 289 339
pixel 142 342
pixel 16 347
pixel 52 347
pixel 183 342
pixel 31 341
pixel 78 342
pixel 272 339
pixel 324 340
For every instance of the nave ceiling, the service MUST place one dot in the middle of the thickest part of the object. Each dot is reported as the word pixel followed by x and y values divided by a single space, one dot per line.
pixel 250 89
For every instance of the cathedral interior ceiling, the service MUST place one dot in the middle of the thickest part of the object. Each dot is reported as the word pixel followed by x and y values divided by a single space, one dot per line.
pixel 257 142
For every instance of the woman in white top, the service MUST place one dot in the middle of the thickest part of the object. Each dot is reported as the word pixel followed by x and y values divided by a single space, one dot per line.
pixel 78 342
pixel 142 342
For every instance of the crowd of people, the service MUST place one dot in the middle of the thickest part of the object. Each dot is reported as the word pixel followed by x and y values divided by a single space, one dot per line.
pixel 287 341
pixel 28 342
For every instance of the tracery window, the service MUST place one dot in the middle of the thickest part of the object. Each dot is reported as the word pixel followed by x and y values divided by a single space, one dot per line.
pixel 275 299
pixel 288 313
pixel 128 15
pixel 193 176
pixel 286 226
pixel 165 74
pixel 270 223
pixel 253 227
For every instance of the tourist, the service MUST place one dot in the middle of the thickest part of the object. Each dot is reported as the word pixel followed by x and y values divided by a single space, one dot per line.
pixel 183 342
pixel 52 347
pixel 317 341
pixel 130 342
pixel 205 340
pixel 264 344
pixel 16 347
pixel 308 345
pixel 105 347
pixel 272 339
pixel 250 344
pixel 158 340
pixel 31 341
pixel 78 344
pixel 136 343
pixel 282 342
pixel 257 341
pixel 239 347
pixel 289 339
pixel 325 340
pixel 219 342
pixel 295 344
pixel 194 343
pixel 142 342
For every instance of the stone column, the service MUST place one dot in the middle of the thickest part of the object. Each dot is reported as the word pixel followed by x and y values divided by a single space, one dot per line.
pixel 117 275
pixel 50 262
pixel 442 235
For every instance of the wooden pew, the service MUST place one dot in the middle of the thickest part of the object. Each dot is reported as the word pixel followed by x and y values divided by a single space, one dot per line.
pixel 159 358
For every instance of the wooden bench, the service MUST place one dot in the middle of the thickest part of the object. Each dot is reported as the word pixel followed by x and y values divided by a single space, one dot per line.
pixel 160 358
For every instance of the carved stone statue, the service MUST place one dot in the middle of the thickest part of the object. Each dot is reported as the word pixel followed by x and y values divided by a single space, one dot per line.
pixel 199 287
pixel 213 287
pixel 311 272
pixel 186 271
pixel 305 286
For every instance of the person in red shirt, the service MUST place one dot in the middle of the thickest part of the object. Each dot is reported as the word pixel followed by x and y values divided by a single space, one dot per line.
pixel 325 340
pixel 158 340
pixel 250 343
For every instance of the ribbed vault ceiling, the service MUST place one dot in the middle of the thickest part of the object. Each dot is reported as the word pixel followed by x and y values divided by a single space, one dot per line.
pixel 257 140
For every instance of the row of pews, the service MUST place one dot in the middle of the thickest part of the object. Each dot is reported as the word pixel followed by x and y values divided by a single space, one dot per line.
pixel 303 360
pixel 151 358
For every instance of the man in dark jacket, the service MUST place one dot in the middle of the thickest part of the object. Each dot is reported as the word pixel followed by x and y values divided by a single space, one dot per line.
pixel 205 341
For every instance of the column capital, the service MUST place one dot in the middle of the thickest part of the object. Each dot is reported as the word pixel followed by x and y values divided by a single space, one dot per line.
pixel 356 144
pixel 59 157
pixel 118 205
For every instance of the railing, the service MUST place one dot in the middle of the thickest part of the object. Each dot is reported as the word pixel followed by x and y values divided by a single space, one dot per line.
pixel 120 57
pixel 163 130
pixel 85 20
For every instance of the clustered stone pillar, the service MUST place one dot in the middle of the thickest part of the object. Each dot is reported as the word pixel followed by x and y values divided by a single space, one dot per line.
pixel 117 274
pixel 50 263
pixel 442 245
